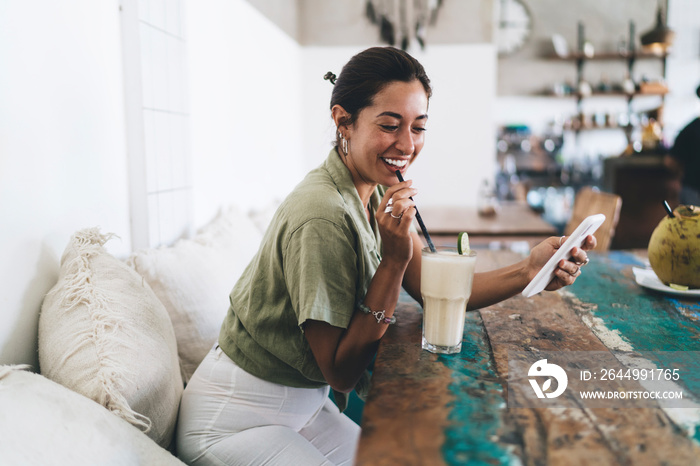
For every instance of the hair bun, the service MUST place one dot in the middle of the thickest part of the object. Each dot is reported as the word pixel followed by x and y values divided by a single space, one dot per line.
pixel 330 76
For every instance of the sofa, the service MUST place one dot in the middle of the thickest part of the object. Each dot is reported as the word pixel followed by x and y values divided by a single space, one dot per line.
pixel 118 339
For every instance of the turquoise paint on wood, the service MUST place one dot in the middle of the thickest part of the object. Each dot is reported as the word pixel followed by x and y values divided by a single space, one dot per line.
pixel 646 319
pixel 625 306
pixel 476 413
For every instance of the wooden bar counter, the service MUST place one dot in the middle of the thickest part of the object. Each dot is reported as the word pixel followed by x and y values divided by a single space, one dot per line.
pixel 427 409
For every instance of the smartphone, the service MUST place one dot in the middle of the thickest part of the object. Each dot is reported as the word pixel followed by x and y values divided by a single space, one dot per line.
pixel 587 227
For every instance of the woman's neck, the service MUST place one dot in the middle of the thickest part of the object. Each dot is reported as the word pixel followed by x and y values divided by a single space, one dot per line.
pixel 365 192
pixel 363 187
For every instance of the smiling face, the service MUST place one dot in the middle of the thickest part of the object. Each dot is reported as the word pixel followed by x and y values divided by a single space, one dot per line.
pixel 386 136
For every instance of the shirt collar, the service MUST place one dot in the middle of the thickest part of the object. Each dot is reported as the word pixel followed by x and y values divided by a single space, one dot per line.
pixel 343 180
pixel 340 174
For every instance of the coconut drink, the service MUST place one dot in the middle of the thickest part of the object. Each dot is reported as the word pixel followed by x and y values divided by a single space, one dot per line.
pixel 674 248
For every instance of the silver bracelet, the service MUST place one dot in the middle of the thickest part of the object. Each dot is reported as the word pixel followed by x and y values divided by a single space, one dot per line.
pixel 379 315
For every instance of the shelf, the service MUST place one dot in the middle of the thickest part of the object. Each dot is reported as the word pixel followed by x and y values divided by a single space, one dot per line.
pixel 656 88
pixel 600 128
pixel 577 95
pixel 610 56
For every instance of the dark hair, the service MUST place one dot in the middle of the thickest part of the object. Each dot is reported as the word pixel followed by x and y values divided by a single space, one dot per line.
pixel 368 72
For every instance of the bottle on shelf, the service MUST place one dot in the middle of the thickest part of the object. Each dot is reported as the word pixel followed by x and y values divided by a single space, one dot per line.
pixel 651 134
pixel 628 85
pixel 487 203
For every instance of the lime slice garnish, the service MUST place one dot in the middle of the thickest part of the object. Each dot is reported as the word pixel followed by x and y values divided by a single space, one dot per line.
pixel 678 287
pixel 463 243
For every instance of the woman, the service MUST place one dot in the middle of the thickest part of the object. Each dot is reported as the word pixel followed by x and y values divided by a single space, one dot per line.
pixel 305 315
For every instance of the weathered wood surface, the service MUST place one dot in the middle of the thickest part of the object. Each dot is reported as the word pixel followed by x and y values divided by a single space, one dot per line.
pixel 425 409
pixel 428 409
pixel 574 434
pixel 407 409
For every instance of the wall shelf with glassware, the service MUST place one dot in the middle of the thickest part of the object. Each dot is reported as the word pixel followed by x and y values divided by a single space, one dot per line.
pixel 627 88
pixel 662 91
pixel 627 54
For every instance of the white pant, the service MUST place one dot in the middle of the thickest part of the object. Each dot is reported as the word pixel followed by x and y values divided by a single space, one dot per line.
pixel 230 417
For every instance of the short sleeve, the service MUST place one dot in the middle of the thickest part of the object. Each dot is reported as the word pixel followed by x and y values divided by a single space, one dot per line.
pixel 320 269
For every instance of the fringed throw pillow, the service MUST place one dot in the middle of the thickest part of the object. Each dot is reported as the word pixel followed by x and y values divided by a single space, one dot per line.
pixel 104 334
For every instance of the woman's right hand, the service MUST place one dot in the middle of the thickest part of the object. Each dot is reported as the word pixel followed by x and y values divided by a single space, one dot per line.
pixel 394 225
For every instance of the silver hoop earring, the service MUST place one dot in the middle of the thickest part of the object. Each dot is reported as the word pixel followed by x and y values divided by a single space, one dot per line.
pixel 343 144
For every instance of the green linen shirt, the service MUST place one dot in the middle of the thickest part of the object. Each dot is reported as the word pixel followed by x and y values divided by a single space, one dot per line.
pixel 316 261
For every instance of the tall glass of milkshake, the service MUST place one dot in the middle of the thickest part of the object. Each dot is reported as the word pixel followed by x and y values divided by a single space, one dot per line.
pixel 446 284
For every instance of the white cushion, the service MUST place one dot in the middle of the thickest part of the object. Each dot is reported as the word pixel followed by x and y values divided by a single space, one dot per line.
pixel 104 334
pixel 262 217
pixel 194 278
pixel 45 423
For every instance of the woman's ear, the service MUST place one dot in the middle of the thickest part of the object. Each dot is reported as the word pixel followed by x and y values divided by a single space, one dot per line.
pixel 340 116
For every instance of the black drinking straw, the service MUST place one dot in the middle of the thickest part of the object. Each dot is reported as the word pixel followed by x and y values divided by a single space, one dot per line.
pixel 420 220
pixel 668 209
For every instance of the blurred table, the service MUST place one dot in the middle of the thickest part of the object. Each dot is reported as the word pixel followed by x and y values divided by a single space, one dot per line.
pixel 515 221
pixel 425 409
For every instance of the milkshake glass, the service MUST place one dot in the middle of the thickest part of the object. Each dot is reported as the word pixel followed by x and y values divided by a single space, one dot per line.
pixel 446 284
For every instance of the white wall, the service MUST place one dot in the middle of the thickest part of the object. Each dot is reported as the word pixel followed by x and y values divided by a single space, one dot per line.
pixel 460 141
pixel 62 149
pixel 245 107
pixel 63 146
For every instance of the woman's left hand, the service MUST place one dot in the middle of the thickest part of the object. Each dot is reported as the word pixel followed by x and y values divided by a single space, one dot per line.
pixel 567 270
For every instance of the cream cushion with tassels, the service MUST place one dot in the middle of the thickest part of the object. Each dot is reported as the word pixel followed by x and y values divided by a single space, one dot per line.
pixel 104 334
pixel 46 424
pixel 193 279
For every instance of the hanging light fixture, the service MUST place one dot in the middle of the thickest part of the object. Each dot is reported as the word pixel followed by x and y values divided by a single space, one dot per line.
pixel 660 38
pixel 402 21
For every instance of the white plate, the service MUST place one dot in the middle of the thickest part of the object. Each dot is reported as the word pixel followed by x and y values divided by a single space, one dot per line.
pixel 648 279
